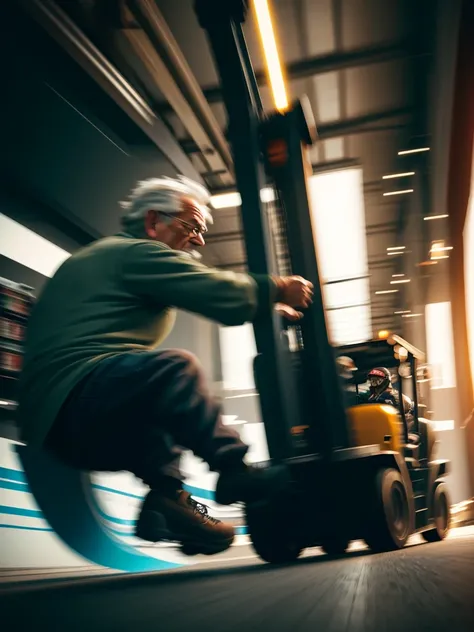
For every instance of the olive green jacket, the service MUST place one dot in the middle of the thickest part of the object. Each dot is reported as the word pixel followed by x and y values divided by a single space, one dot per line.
pixel 116 295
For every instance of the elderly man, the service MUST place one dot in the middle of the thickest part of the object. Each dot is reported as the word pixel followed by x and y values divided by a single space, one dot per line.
pixel 97 392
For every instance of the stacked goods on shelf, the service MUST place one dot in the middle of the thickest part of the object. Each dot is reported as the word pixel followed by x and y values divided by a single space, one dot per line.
pixel 16 301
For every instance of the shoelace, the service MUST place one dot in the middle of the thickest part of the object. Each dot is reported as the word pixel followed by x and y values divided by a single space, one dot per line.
pixel 203 510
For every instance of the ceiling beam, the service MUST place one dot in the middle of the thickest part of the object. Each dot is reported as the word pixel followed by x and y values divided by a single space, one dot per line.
pixel 321 64
pixel 381 229
pixel 168 69
pixel 385 317
pixel 357 125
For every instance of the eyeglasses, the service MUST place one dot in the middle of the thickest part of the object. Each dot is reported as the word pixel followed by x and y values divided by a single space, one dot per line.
pixel 193 229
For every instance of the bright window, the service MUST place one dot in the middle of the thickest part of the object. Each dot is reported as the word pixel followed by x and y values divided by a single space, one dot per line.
pixel 440 344
pixel 468 236
pixel 29 249
pixel 237 353
pixel 443 426
pixel 337 204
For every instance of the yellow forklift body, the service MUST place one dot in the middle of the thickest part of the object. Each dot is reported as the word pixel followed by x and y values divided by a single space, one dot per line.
pixel 376 424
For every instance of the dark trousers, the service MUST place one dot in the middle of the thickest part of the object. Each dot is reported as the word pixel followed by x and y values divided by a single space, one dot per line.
pixel 136 411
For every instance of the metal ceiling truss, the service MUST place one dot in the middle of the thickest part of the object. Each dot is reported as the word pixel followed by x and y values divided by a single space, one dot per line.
pixel 166 67
pixel 321 64
pixel 357 125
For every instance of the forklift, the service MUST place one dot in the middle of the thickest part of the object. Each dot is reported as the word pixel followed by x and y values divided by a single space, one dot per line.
pixel 353 474
pixel 416 437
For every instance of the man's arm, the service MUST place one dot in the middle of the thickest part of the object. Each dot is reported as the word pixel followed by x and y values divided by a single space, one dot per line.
pixel 168 277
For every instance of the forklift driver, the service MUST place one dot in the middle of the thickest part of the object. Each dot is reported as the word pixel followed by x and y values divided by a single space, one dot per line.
pixel 382 392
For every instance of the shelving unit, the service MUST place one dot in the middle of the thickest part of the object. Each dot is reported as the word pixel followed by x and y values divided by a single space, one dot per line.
pixel 16 301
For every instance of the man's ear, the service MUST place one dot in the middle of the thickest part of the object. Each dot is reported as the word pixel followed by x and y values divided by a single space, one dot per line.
pixel 151 219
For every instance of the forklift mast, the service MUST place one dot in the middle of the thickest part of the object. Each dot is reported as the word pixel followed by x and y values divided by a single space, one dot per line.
pixel 299 387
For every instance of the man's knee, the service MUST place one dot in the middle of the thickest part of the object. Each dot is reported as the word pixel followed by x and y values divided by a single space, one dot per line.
pixel 180 379
pixel 182 359
pixel 181 368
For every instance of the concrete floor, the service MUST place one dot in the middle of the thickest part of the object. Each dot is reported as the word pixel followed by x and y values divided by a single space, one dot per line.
pixel 424 587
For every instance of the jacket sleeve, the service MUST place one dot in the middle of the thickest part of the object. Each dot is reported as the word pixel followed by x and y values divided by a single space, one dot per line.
pixel 171 278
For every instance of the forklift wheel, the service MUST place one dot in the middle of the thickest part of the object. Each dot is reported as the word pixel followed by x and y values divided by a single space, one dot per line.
pixel 275 552
pixel 271 539
pixel 335 546
pixel 441 515
pixel 389 520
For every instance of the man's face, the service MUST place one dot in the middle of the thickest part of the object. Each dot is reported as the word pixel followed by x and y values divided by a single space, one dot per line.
pixel 189 226
pixel 184 231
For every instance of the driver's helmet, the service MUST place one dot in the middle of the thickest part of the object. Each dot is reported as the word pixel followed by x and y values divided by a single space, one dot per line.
pixel 380 380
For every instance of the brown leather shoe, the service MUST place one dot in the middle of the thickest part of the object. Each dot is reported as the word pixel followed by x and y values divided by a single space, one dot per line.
pixel 187 522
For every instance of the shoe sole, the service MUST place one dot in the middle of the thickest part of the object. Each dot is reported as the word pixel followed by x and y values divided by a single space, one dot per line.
pixel 191 548
pixel 188 546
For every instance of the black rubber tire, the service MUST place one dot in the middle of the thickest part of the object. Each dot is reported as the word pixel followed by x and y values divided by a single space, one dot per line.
pixel 275 552
pixel 335 546
pixel 389 520
pixel 441 515
pixel 271 537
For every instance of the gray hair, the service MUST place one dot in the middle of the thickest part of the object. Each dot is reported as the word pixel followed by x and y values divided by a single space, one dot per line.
pixel 163 195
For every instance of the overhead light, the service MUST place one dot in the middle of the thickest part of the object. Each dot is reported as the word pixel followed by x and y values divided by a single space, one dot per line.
pixel 441 248
pixel 427 263
pixel 396 252
pixel 386 291
pixel 267 36
pixel 399 175
pixel 397 275
pixel 405 152
pixel 400 281
pixel 401 192
pixel 267 195
pixel 403 311
pixel 226 200
pixel 396 248
pixel 430 217
pixel 411 315
pixel 233 199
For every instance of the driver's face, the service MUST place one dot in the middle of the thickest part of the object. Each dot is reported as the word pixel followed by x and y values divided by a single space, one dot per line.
pixel 375 381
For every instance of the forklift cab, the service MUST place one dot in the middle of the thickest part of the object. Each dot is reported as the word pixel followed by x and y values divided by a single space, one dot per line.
pixel 416 437
pixel 346 483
